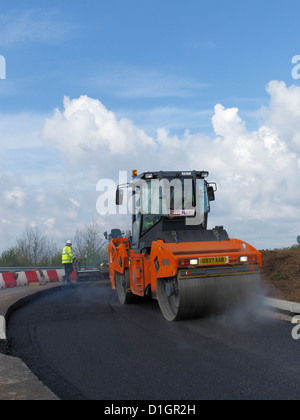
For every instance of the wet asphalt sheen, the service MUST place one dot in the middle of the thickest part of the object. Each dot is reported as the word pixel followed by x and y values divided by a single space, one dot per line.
pixel 82 344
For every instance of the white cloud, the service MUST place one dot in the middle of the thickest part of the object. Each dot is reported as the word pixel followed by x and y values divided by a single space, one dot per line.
pixel 135 82
pixel 33 25
pixel 257 171
pixel 46 206
pixel 283 114
pixel 15 196
pixel 93 140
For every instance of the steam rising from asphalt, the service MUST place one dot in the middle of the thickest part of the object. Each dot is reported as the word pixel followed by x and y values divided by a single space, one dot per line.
pixel 250 311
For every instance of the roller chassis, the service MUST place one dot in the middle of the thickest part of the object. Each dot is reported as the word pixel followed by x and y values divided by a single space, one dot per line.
pixel 184 292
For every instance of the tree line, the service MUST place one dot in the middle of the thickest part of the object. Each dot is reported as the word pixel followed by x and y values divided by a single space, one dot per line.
pixel 33 249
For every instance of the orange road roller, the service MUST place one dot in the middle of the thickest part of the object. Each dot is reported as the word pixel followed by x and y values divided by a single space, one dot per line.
pixel 170 255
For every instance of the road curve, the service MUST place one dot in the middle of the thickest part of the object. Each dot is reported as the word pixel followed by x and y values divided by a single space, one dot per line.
pixel 83 344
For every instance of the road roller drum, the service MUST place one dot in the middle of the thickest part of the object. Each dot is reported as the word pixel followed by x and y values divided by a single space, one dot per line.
pixel 200 297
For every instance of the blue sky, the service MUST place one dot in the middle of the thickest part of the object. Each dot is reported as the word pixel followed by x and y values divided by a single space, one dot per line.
pixel 140 55
pixel 163 65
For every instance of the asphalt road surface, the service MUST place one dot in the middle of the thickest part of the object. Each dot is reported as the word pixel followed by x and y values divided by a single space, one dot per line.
pixel 83 344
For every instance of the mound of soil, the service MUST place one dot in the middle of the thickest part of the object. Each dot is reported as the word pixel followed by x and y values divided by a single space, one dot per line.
pixel 281 272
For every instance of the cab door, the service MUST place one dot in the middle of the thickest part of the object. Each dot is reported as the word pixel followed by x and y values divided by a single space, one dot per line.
pixel 137 276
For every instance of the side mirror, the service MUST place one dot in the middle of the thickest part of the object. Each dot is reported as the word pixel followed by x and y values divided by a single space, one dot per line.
pixel 105 235
pixel 119 197
pixel 210 193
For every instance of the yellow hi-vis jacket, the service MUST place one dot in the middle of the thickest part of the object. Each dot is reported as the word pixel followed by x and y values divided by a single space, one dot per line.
pixel 67 255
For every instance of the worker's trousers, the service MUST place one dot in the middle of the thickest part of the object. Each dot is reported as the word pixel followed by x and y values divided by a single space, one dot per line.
pixel 68 271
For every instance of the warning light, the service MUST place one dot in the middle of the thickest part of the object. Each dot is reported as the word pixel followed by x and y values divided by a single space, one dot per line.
pixel 134 172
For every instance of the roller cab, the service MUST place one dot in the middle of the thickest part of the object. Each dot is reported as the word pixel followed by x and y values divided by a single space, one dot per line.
pixel 170 254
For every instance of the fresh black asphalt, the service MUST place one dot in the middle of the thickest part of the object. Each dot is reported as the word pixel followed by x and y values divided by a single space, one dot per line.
pixel 83 344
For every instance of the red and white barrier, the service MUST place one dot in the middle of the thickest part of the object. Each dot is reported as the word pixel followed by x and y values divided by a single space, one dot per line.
pixel 9 280
pixel 33 278
pixel 22 279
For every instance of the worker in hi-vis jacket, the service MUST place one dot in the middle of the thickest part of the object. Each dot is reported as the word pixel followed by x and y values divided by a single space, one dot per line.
pixel 67 260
